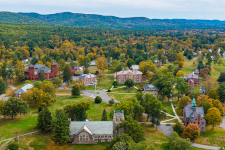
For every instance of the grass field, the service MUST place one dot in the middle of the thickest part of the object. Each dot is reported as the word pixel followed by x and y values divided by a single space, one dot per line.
pixel 122 97
pixel 24 124
pixel 190 67
pixel 211 137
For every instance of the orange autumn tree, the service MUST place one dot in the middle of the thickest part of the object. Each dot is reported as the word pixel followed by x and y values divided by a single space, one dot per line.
pixel 192 131
pixel 203 98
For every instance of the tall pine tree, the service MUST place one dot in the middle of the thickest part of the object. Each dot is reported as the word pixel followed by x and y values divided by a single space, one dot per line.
pixel 67 75
pixel 44 120
pixel 61 127
pixel 104 116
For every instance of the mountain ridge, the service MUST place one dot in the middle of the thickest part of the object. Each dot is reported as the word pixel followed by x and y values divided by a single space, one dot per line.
pixel 69 19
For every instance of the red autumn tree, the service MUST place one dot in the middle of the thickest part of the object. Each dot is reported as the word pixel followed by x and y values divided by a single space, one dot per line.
pixel 192 131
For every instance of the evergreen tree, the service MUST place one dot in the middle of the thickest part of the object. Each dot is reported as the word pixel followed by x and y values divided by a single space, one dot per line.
pixel 3 87
pixel 4 71
pixel 60 127
pixel 44 120
pixel 76 90
pixel 104 116
pixel 41 75
pixel 221 77
pixel 67 75
pixel 221 91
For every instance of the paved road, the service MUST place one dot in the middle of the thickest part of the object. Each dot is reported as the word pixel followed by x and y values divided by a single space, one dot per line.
pixel 223 123
pixel 102 94
pixel 166 130
pixel 204 146
pixel 174 111
pixel 12 87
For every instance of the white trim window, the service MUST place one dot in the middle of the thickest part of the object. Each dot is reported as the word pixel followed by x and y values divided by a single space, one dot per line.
pixel 83 136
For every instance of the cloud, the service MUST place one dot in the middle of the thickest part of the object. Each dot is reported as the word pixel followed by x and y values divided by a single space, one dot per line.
pixel 205 9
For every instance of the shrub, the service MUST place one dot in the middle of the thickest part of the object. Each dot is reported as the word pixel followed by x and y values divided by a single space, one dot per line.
pixel 57 81
pixel 40 108
pixel 179 128
pixel 98 99
pixel 115 83
pixel 111 101
pixel 28 82
pixel 13 146
pixel 109 90
pixel 76 90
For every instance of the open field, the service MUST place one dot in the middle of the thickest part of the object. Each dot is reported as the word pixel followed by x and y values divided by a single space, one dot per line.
pixel 24 124
pixel 211 137
pixel 190 67
pixel 122 97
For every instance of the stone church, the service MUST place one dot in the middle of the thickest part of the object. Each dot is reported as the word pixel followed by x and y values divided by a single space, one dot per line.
pixel 90 132
pixel 194 115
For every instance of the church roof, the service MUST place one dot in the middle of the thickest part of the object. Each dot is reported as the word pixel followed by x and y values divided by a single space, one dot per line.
pixel 196 71
pixel 191 113
pixel 93 127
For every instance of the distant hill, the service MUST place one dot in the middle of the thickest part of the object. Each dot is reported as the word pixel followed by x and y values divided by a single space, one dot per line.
pixel 112 22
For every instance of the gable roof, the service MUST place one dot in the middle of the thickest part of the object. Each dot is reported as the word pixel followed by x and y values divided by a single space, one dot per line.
pixel 150 87
pixel 192 76
pixel 191 113
pixel 24 88
pixel 82 76
pixel 93 127
pixel 196 71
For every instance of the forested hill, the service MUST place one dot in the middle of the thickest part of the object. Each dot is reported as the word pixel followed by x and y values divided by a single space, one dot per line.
pixel 99 21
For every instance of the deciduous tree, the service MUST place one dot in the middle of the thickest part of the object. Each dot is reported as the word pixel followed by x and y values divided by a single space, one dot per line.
pixel 146 66
pixel 14 106
pixel 206 105
pixel 3 87
pixel 41 75
pixel 192 131
pixel 129 83
pixel 179 128
pixel 213 116
pixel 177 143
pixel 179 60
pixel 102 64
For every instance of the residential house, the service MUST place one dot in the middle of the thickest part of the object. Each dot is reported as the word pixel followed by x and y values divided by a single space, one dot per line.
pixel 151 89
pixel 90 132
pixel 192 79
pixel 134 67
pixel 33 71
pixel 123 75
pixel 158 63
pixel 194 115
pixel 23 89
pixel 87 78
pixel 92 63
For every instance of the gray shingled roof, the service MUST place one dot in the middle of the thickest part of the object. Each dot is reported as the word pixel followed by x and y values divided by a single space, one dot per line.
pixel 192 113
pixel 192 76
pixel 196 71
pixel 149 87
pixel 82 76
pixel 38 67
pixel 24 88
pixel 95 127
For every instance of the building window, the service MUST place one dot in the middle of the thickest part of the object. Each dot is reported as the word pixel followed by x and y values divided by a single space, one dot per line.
pixel 105 136
pixel 83 136
pixel 102 136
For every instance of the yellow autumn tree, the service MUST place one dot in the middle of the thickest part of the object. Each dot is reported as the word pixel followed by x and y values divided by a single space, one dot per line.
pixel 146 66
pixel 179 60
pixel 183 102
pixel 102 63
pixel 213 116
pixel 48 64
pixel 40 62
pixel 180 73
pixel 38 52
pixel 80 60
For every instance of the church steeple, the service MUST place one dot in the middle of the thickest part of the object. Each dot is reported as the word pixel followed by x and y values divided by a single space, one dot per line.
pixel 194 103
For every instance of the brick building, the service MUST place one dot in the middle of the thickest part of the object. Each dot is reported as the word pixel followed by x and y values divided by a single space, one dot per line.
pixel 194 115
pixel 123 75
pixel 90 132
pixel 33 70
pixel 87 78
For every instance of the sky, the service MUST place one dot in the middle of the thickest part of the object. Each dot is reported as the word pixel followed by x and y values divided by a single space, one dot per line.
pixel 161 9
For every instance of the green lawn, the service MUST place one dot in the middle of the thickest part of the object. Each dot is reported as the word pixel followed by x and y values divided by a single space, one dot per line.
pixel 122 97
pixel 167 107
pixel 211 137
pixel 125 90
pixel 24 124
